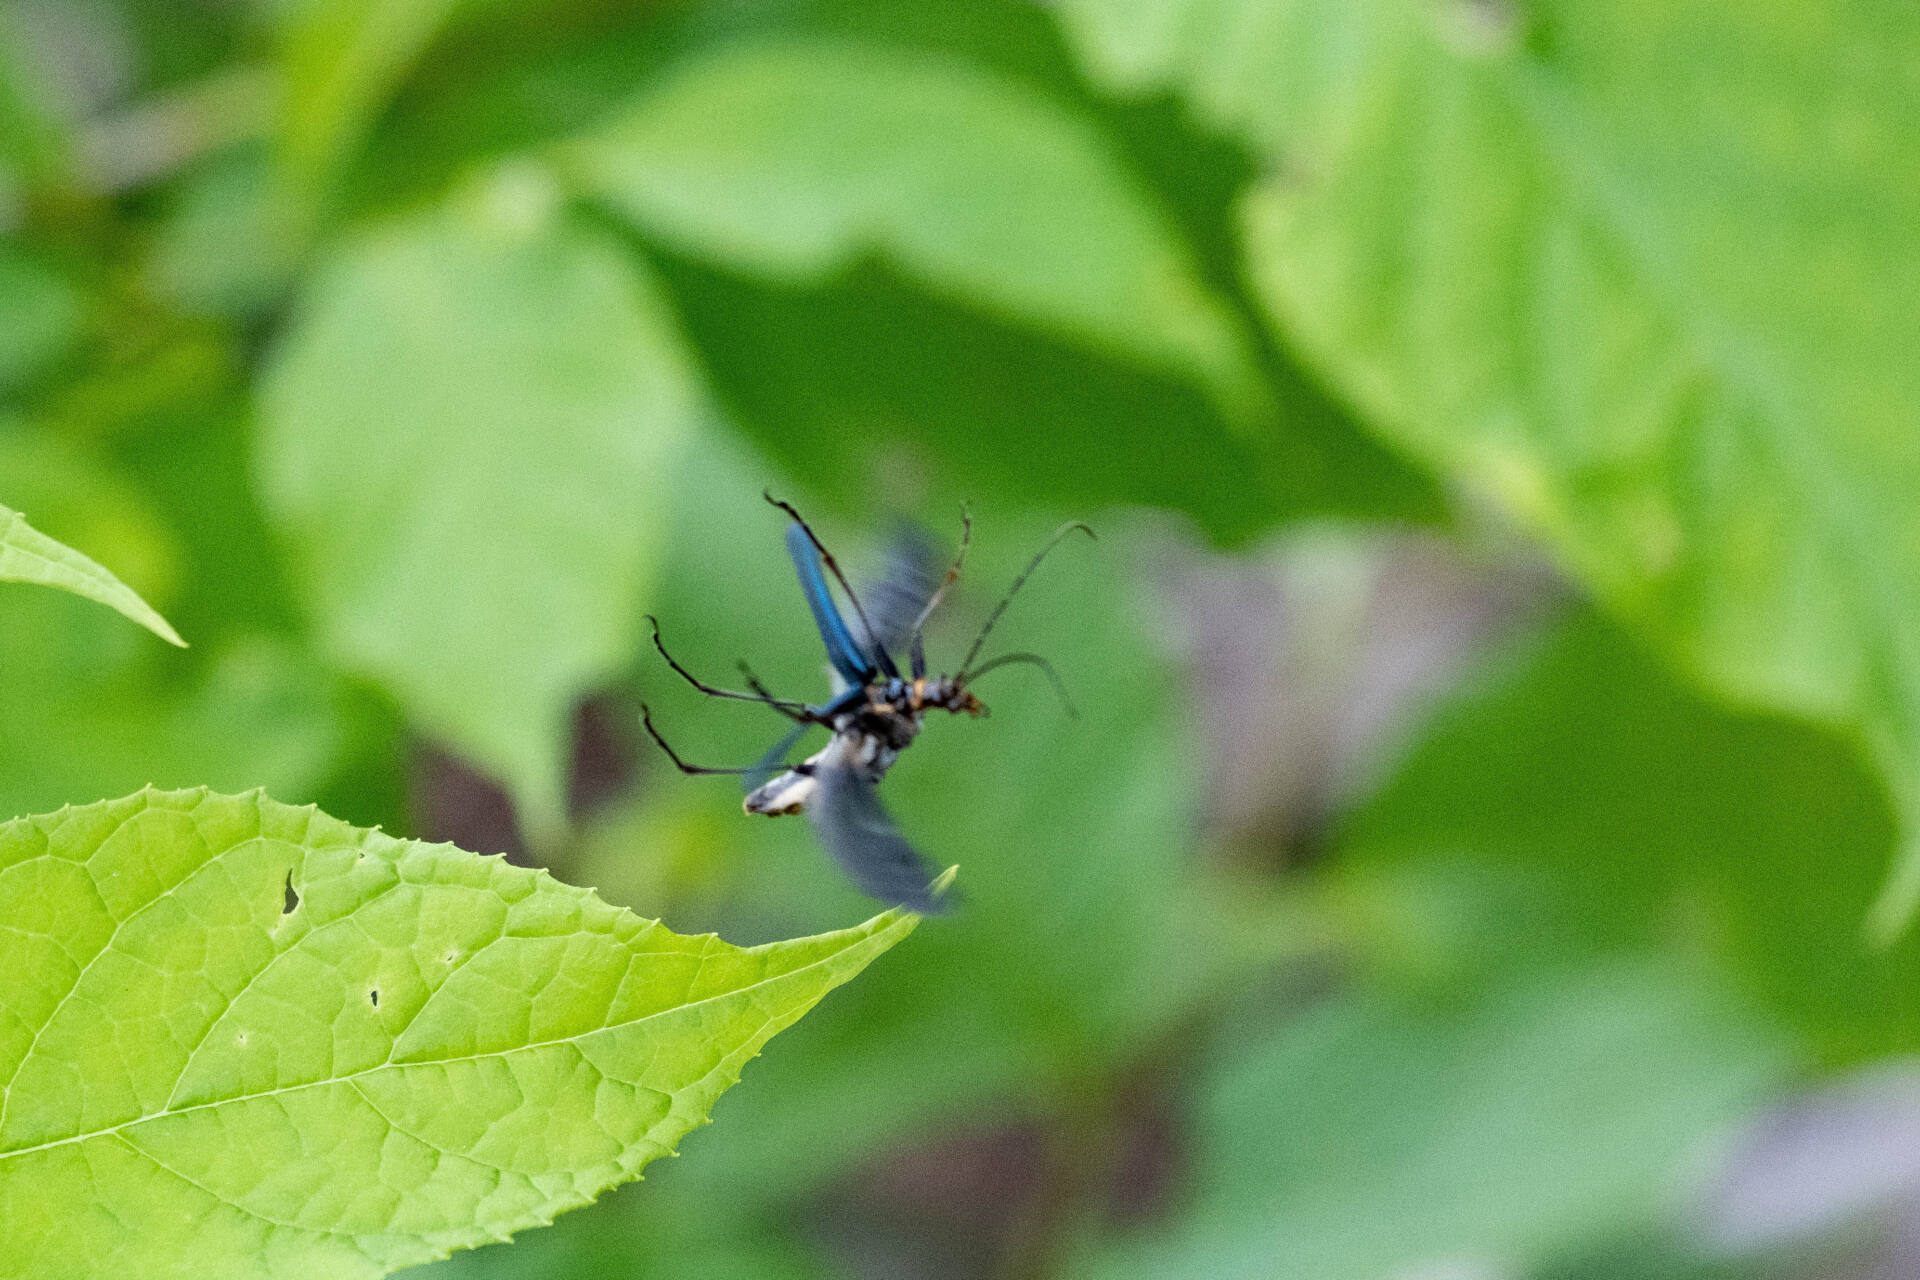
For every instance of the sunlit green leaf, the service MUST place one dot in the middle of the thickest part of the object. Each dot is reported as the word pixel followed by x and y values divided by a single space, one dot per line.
pixel 468 433
pixel 240 1031
pixel 1369 1138
pixel 795 161
pixel 27 555
pixel 1644 272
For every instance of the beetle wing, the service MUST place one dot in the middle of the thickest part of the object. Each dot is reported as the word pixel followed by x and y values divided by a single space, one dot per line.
pixel 856 829
pixel 909 574
pixel 774 761
pixel 850 660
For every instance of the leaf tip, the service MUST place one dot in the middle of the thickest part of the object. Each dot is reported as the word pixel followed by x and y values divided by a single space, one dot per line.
pixel 1892 912
pixel 944 881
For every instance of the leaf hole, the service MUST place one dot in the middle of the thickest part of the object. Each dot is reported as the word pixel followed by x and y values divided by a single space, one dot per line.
pixel 292 900
pixel 373 996
pixel 241 1039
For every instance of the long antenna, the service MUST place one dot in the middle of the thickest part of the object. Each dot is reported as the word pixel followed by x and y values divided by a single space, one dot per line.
pixel 1031 660
pixel 1021 581
pixel 833 567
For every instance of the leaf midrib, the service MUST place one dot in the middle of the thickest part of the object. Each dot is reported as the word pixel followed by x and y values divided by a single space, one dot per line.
pixel 108 589
pixel 389 1065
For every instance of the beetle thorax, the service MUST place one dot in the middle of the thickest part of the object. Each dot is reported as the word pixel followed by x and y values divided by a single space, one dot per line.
pixel 888 717
pixel 927 693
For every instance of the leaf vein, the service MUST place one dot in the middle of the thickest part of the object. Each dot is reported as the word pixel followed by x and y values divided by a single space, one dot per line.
pixel 116 1130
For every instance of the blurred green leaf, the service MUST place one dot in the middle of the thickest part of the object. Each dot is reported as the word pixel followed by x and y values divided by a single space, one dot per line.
pixel 342 61
pixel 1667 1256
pixel 615 1243
pixel 41 318
pixel 795 161
pixel 1642 271
pixel 223 244
pixel 1657 814
pixel 181 44
pixel 88 708
pixel 503 84
pixel 196 473
pixel 1372 1136
pixel 257 712
pixel 878 397
pixel 879 364
pixel 243 1031
pixel 468 434
pixel 27 555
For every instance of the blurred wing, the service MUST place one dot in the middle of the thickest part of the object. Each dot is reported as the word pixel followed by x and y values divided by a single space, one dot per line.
pixel 908 576
pixel 774 761
pixel 869 848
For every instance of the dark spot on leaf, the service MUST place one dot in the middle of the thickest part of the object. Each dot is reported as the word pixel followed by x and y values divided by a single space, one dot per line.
pixel 292 898
pixel 373 996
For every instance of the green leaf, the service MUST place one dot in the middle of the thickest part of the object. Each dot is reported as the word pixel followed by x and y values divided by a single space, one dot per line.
pixel 794 161
pixel 88 708
pixel 1579 762
pixel 258 713
pixel 613 1243
pixel 869 387
pixel 223 244
pixel 27 555
pixel 343 60
pixel 41 318
pixel 240 1031
pixel 1642 271
pixel 881 362
pixel 469 433
pixel 1373 1137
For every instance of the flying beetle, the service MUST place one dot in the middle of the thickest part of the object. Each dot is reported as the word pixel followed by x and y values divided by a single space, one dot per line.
pixel 875 712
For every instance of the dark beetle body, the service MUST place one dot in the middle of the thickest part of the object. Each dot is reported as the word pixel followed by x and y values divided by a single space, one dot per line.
pixel 871 726
pixel 874 715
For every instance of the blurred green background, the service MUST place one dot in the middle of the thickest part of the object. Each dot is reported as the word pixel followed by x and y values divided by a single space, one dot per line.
pixel 1481 853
